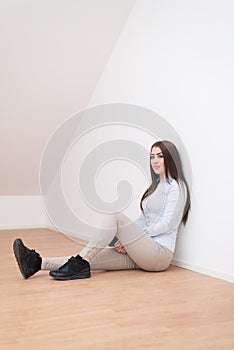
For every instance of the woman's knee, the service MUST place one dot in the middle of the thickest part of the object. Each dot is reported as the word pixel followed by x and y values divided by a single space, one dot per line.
pixel 122 219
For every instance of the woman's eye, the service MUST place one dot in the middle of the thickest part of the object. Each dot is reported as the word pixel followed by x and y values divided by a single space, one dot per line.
pixel 151 157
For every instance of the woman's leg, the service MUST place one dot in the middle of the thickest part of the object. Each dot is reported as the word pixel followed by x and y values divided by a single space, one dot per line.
pixel 53 263
pixel 107 259
pixel 142 251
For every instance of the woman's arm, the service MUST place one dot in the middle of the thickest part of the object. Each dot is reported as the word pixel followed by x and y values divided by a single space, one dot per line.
pixel 172 212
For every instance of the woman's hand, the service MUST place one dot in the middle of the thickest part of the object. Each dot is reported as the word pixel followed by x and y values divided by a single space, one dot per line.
pixel 119 248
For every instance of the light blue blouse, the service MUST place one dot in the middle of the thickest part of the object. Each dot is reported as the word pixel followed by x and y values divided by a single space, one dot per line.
pixel 163 212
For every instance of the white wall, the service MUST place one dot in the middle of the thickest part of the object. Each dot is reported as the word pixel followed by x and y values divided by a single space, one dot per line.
pixel 22 212
pixel 52 54
pixel 176 58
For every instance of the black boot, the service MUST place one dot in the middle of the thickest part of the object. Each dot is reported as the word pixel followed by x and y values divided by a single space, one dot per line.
pixel 74 268
pixel 29 260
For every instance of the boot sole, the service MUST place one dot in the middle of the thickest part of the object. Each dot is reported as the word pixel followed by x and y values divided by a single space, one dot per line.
pixel 16 248
pixel 73 277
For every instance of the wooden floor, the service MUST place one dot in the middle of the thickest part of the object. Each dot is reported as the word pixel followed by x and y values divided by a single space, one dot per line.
pixel 176 309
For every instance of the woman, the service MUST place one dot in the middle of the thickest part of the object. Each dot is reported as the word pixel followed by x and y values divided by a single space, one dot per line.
pixel 147 243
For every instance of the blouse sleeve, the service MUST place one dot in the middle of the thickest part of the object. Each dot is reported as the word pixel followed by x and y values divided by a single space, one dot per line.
pixel 172 212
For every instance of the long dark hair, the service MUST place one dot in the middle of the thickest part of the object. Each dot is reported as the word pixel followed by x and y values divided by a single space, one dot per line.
pixel 173 168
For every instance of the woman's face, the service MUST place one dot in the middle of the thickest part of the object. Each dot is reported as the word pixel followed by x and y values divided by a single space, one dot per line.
pixel 157 162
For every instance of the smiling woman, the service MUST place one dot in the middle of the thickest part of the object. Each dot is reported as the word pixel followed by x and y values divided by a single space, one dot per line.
pixel 147 243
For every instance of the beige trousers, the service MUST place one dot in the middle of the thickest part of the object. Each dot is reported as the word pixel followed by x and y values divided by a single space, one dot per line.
pixel 142 251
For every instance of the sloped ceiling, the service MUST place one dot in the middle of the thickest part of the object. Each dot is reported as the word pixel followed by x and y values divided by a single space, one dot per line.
pixel 52 55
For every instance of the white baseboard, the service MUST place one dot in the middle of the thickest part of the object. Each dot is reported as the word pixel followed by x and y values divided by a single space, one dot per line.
pixel 204 270
pixel 50 227
pixel 20 227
